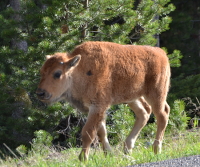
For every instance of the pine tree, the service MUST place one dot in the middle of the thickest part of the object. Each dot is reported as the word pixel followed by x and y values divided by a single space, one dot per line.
pixel 184 36
pixel 59 25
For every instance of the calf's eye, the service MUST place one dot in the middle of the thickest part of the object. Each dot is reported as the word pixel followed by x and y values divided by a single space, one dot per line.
pixel 57 74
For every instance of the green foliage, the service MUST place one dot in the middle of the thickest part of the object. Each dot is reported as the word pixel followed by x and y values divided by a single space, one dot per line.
pixel 119 123
pixel 121 120
pixel 178 119
pixel 174 147
pixel 42 137
pixel 39 28
pixel 184 35
pixel 193 111
pixel 195 122
pixel 174 58
pixel 185 87
pixel 22 150
pixel 72 140
pixel 22 119
pixel 51 25
pixel 148 13
pixel 15 103
pixel 149 131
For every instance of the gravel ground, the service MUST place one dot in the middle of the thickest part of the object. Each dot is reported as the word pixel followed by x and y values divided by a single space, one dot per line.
pixel 191 161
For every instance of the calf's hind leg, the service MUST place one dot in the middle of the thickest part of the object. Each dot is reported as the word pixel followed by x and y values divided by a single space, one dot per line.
pixel 162 114
pixel 142 111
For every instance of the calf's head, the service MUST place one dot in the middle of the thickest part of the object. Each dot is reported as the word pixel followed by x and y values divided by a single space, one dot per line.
pixel 56 76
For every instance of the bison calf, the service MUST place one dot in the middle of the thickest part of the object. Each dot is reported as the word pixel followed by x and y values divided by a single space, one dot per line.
pixel 99 74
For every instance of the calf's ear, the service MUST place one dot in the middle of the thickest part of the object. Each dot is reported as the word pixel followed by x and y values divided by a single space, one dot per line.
pixel 48 57
pixel 74 61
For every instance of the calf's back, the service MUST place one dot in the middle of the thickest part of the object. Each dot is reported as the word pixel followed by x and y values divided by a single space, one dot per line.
pixel 117 73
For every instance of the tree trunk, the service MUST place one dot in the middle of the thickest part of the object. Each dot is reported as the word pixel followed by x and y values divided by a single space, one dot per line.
pixel 16 43
pixel 157 36
pixel 85 26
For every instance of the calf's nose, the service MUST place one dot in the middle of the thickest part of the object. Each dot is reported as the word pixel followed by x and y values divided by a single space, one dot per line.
pixel 41 93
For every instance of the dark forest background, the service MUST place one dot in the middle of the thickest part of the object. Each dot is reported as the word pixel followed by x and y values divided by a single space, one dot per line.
pixel 31 29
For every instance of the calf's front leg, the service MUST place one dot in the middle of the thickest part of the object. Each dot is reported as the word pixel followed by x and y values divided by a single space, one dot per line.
pixel 102 134
pixel 90 130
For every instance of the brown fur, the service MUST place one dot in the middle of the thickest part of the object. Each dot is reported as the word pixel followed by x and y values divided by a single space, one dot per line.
pixel 99 74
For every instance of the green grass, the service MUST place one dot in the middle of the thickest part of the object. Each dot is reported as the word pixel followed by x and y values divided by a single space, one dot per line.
pixel 181 145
